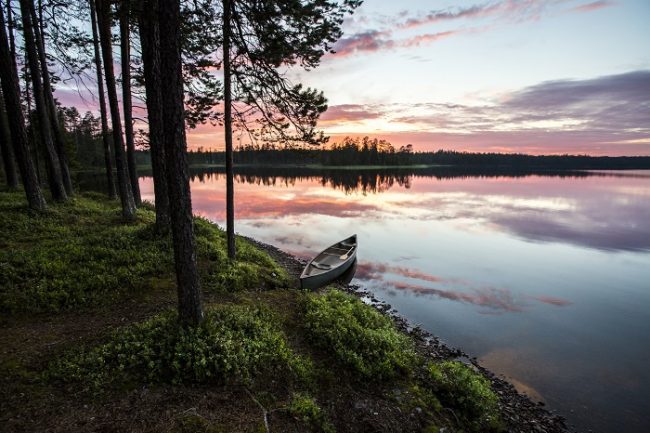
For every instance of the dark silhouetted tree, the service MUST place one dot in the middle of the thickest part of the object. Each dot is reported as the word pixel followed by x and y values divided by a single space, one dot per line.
pixel 259 38
pixel 6 146
pixel 52 163
pixel 106 139
pixel 57 133
pixel 11 93
pixel 171 80
pixel 125 50
pixel 124 184
pixel 150 44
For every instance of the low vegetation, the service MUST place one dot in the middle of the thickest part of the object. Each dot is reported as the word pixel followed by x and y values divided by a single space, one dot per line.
pixel 81 253
pixel 305 408
pixel 358 336
pixel 232 345
pixel 460 387
pixel 266 353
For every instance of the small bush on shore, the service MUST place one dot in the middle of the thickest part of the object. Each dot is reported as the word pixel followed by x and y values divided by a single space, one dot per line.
pixel 459 386
pixel 305 408
pixel 358 335
pixel 231 345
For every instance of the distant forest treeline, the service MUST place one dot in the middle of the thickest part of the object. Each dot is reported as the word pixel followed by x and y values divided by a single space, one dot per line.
pixel 374 152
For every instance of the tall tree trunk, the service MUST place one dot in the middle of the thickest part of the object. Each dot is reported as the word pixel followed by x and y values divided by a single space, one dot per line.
pixel 6 146
pixel 123 181
pixel 32 142
pixel 108 161
pixel 125 50
pixel 11 24
pixel 51 157
pixel 150 40
pixel 11 92
pixel 230 187
pixel 171 80
pixel 49 102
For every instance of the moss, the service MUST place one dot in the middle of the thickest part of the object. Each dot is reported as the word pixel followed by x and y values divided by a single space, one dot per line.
pixel 358 336
pixel 232 345
pixel 415 396
pixel 459 386
pixel 82 253
pixel 77 253
pixel 305 408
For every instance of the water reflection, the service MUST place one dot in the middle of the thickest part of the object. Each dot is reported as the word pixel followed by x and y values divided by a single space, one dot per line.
pixel 599 210
pixel 491 300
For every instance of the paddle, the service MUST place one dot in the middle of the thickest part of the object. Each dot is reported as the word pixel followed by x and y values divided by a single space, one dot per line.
pixel 346 255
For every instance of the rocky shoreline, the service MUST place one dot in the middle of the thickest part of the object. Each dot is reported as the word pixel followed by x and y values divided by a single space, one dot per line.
pixel 520 413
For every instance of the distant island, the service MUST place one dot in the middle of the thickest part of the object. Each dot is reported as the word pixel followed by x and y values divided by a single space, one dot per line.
pixel 367 153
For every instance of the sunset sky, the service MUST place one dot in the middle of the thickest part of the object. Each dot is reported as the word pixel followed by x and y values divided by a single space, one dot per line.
pixel 555 76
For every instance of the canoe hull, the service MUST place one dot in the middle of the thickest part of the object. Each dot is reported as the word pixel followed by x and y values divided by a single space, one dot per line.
pixel 330 264
pixel 316 281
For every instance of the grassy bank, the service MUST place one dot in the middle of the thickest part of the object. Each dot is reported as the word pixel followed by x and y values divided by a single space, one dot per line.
pixel 90 340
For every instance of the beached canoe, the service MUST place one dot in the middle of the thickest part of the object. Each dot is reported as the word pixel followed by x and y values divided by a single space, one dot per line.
pixel 329 264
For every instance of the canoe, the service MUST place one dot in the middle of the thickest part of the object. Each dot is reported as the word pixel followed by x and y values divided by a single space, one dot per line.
pixel 330 264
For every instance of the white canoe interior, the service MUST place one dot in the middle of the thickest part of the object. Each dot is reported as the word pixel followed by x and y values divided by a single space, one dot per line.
pixel 332 258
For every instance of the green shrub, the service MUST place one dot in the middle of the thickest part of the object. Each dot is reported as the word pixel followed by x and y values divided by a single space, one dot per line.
pixel 459 386
pixel 231 345
pixel 357 335
pixel 307 410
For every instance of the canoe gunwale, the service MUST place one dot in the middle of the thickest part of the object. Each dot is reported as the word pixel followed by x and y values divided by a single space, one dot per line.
pixel 324 276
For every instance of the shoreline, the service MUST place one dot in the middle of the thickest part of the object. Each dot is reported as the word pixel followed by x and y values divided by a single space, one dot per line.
pixel 521 414
pixel 55 329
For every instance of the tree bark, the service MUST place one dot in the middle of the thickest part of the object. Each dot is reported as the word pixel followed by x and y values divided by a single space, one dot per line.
pixel 6 146
pixel 123 181
pixel 150 44
pixel 189 296
pixel 11 93
pixel 53 165
pixel 230 187
pixel 32 141
pixel 59 142
pixel 11 25
pixel 108 161
pixel 125 50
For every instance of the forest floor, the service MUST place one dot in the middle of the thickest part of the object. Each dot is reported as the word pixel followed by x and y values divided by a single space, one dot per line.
pixel 88 341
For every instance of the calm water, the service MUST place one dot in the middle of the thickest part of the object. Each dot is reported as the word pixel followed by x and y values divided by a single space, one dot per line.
pixel 546 279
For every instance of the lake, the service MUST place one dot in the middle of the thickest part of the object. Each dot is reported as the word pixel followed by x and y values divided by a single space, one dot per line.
pixel 544 277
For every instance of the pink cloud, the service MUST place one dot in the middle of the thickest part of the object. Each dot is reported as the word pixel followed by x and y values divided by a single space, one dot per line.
pixel 499 300
pixel 592 6
pixel 418 40
pixel 550 300
pixel 369 41
pixel 375 271
pixel 349 113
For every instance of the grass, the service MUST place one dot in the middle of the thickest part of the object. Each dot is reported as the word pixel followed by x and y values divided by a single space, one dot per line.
pixel 316 362
pixel 81 253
